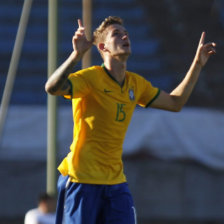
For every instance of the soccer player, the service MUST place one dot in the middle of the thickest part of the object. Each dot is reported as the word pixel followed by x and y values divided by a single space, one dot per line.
pixel 92 187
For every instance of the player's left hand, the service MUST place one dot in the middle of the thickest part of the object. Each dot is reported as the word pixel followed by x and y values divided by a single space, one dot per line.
pixel 204 51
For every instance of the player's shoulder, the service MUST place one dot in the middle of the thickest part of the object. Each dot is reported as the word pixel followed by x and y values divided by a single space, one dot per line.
pixel 135 77
pixel 32 214
pixel 87 72
pixel 33 211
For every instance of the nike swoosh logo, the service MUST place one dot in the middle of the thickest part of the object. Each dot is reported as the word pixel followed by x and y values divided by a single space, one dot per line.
pixel 107 91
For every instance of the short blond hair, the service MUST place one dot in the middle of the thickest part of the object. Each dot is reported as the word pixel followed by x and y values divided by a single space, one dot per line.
pixel 99 34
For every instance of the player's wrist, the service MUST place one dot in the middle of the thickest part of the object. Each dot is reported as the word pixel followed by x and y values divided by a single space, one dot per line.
pixel 76 56
pixel 197 63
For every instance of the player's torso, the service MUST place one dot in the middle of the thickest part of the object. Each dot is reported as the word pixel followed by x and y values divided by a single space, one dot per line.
pixel 108 108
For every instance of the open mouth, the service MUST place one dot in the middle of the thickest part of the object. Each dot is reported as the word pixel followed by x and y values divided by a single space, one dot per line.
pixel 126 45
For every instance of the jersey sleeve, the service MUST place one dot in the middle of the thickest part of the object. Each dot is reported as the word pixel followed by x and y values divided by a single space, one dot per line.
pixel 79 84
pixel 148 93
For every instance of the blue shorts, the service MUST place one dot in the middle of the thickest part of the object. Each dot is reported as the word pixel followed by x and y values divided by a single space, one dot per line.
pixel 94 204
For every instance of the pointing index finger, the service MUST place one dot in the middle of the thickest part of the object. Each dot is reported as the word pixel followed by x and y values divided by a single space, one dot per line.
pixel 202 39
pixel 80 23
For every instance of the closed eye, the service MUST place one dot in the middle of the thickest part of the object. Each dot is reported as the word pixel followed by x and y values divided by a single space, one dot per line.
pixel 115 33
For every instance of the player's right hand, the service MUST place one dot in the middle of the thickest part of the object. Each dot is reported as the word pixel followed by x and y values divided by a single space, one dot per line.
pixel 79 41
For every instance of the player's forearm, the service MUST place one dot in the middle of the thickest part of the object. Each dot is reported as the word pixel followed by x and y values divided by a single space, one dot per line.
pixel 58 79
pixel 183 91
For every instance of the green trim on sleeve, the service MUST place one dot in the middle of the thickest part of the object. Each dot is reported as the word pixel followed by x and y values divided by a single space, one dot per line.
pixel 150 102
pixel 71 87
pixel 70 83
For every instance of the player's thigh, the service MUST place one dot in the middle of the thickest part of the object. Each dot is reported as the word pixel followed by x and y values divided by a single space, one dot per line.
pixel 120 209
pixel 82 204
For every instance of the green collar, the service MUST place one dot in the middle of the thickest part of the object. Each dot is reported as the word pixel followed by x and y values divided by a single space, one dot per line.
pixel 108 73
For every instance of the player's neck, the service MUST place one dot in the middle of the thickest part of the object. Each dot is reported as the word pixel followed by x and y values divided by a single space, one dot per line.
pixel 117 69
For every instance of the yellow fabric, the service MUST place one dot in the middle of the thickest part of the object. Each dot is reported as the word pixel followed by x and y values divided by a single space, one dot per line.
pixel 102 110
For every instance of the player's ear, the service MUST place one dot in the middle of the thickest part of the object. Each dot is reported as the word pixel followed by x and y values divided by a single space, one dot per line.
pixel 101 46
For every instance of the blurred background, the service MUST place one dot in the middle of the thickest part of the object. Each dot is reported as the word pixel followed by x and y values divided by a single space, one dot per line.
pixel 174 162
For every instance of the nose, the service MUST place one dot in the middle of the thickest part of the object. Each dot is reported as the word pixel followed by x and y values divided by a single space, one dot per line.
pixel 125 37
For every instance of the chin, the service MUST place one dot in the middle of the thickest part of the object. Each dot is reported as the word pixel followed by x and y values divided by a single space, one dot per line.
pixel 126 52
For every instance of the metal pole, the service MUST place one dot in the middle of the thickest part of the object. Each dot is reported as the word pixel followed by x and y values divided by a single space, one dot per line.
pixel 87 21
pixel 52 100
pixel 14 62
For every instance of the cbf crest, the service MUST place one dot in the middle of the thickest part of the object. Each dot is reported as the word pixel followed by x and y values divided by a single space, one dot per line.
pixel 131 94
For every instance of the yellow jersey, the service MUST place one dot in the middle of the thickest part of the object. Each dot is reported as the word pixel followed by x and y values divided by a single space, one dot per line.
pixel 102 110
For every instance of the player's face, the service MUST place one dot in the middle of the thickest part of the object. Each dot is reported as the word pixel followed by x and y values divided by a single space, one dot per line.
pixel 117 42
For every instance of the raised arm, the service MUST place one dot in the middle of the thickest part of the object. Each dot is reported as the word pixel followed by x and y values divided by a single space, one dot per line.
pixel 58 83
pixel 175 100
